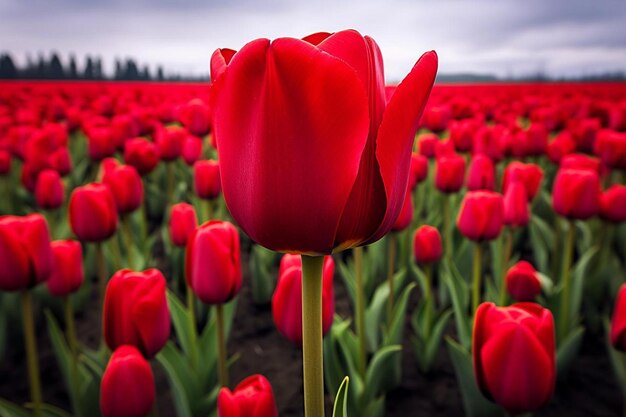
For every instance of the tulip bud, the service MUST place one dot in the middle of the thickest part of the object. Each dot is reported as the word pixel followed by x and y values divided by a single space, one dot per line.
pixel 253 397
pixel 135 311
pixel 563 144
pixel 530 175
pixel 196 117
pixel 576 193
pixel 61 161
pixel 481 216
pixel 183 223
pixel 142 154
pixel 101 144
pixel 5 162
pixel 585 132
pixel 427 247
pixel 461 133
pixel 610 146
pixel 488 141
pixel 49 190
pixel 287 299
pixel 444 147
pixel 67 268
pixel 481 175
pixel 536 140
pixel 514 355
pixel 206 179
pixel 618 323
pixel 581 161
pixel 92 211
pixel 406 214
pixel 192 149
pixel 126 185
pixel 450 173
pixel 516 211
pixel 419 170
pixel 426 144
pixel 169 142
pixel 436 118
pixel 127 388
pixel 25 252
pixel 613 204
pixel 522 282
pixel 212 264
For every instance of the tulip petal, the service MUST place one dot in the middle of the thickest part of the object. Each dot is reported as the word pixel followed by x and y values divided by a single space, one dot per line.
pixel 397 132
pixel 291 123
pixel 16 269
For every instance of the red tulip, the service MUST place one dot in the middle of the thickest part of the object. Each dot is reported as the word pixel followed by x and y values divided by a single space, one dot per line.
pixel 522 282
pixel 196 117
pixel 49 190
pixel 481 216
pixel 206 179
pixel 406 214
pixel 427 246
pixel 514 355
pixel 213 267
pixel 450 173
pixel 169 142
pixel 419 170
pixel 126 185
pixel 563 144
pixel 618 323
pixel 536 140
pixel 585 132
pixel 253 397
pixel 192 149
pixel 25 253
pixel 613 204
pixel 610 146
pixel 101 143
pixel 324 167
pixel 183 223
pixel 530 175
pixel 142 154
pixel 287 299
pixel 481 174
pixel 135 311
pixel 576 193
pixel 127 388
pixel 5 162
pixel 581 161
pixel 426 144
pixel 61 161
pixel 488 141
pixel 436 118
pixel 92 212
pixel 123 127
pixel 462 133
pixel 444 147
pixel 516 211
pixel 67 272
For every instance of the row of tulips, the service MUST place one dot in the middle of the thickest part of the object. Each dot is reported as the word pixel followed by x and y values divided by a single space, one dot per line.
pixel 508 193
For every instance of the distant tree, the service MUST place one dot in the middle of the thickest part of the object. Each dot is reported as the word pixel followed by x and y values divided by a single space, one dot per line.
pixel 97 69
pixel 160 76
pixel 119 70
pixel 132 72
pixel 54 69
pixel 41 72
pixel 7 67
pixel 145 73
pixel 73 69
pixel 88 74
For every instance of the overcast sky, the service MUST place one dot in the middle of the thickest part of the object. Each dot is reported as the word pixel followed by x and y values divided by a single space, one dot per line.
pixel 502 37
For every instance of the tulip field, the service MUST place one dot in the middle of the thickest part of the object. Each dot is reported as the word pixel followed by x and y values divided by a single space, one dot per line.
pixel 297 238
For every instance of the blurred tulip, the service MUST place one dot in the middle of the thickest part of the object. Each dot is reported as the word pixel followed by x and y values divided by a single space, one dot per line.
pixel 406 214
pixel 25 252
pixel 169 142
pixel 488 141
pixel 427 247
pixel 206 179
pixel 426 144
pixel 481 174
pixel 101 144
pixel 183 223
pixel 563 144
pixel 253 397
pixel 196 117
pixel 192 149
pixel 618 323
pixel 127 388
pixel 419 170
pixel 514 355
pixel 135 311
pixel 287 299
pixel 142 154
pixel 444 147
pixel 462 133
pixel 436 118
pixel 450 173
pixel 92 212
pixel 61 161
pixel 126 185
pixel 516 210
pixel 581 161
pixel 613 204
pixel 576 193
pixel 522 282
pixel 481 216
pixel 536 140
pixel 49 190
pixel 5 162
pixel 530 175
pixel 67 268
pixel 213 266
pixel 610 147
pixel 342 183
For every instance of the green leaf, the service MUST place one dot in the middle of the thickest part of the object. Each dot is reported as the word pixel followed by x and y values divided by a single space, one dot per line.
pixel 579 271
pixel 567 350
pixel 434 342
pixel 174 368
pixel 377 309
pixel 375 408
pixel 474 403
pixel 262 279
pixel 393 335
pixel 459 292
pixel 8 409
pixel 340 408
pixel 180 321
pixel 379 375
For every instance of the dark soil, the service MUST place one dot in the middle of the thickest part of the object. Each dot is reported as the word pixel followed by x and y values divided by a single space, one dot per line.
pixel 590 389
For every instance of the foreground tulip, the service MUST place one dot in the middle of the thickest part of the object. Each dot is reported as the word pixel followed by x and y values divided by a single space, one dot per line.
pixel 253 397
pixel 49 190
pixel 127 388
pixel 136 311
pixel 522 282
pixel 183 223
pixel 481 216
pixel 93 213
pixel 514 355
pixel 67 270
pixel 287 299
pixel 618 323
pixel 406 214
pixel 576 193
pixel 427 245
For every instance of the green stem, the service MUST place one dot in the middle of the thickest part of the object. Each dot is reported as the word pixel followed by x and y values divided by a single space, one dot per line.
pixel 429 299
pixel 102 273
pixel 154 412
pixel 476 280
pixel 568 252
pixel 171 179
pixel 312 355
pixel 508 248
pixel 207 207
pixel 557 247
pixel 360 310
pixel 221 346
pixel 72 341
pixel 447 227
pixel 391 258
pixel 30 342
pixel 193 332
